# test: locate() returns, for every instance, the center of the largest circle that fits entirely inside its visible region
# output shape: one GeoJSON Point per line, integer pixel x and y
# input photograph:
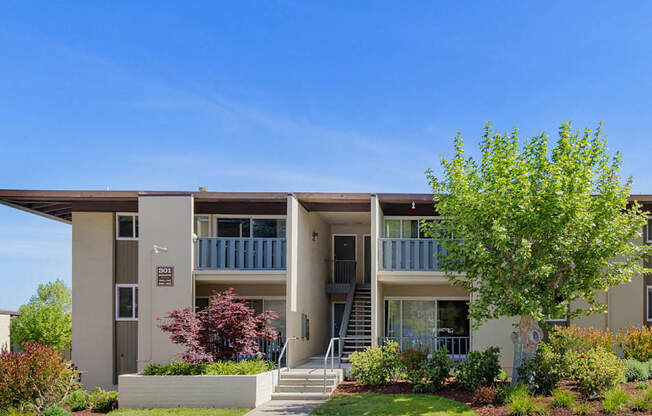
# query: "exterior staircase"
{"type": "Point", "coordinates": [307, 383]}
{"type": "Point", "coordinates": [358, 329]}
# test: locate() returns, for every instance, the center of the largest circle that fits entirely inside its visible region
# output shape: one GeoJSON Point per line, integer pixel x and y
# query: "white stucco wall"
{"type": "Point", "coordinates": [5, 343]}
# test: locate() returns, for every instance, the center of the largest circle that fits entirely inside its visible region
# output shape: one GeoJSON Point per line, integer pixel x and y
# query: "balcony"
{"type": "Point", "coordinates": [217, 253]}
{"type": "Point", "coordinates": [411, 254]}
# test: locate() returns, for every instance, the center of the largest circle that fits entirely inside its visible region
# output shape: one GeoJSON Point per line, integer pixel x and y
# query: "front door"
{"type": "Point", "coordinates": [337, 314]}
{"type": "Point", "coordinates": [344, 258]}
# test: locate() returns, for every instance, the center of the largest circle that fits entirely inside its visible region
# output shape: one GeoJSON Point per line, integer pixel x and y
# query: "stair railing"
{"type": "Point", "coordinates": [347, 314]}
{"type": "Point", "coordinates": [280, 357]}
{"type": "Point", "coordinates": [332, 353]}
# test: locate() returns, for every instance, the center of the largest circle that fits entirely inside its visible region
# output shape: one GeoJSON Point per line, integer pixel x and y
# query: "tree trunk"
{"type": "Point", "coordinates": [525, 339]}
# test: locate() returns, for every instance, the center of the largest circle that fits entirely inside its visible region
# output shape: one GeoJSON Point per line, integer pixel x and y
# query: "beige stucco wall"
{"type": "Point", "coordinates": [5, 321]}
{"type": "Point", "coordinates": [92, 293]}
{"type": "Point", "coordinates": [308, 273]}
{"type": "Point", "coordinates": [164, 221]}
{"type": "Point", "coordinates": [496, 332]}
{"type": "Point", "coordinates": [439, 291]}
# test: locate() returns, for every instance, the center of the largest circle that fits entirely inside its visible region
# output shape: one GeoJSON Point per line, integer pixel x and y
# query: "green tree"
{"type": "Point", "coordinates": [46, 318]}
{"type": "Point", "coordinates": [536, 228]}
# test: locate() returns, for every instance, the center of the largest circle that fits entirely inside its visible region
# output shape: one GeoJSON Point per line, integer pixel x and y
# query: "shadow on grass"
{"type": "Point", "coordinates": [392, 404]}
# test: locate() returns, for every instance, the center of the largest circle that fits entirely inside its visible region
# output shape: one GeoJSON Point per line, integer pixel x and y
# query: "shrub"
{"type": "Point", "coordinates": [648, 364]}
{"type": "Point", "coordinates": [182, 368]}
{"type": "Point", "coordinates": [103, 401]}
{"type": "Point", "coordinates": [562, 398]}
{"type": "Point", "coordinates": [375, 365]}
{"type": "Point", "coordinates": [479, 369]}
{"type": "Point", "coordinates": [636, 343]}
{"type": "Point", "coordinates": [484, 396]}
{"type": "Point", "coordinates": [545, 370]}
{"type": "Point", "coordinates": [438, 369]}
{"type": "Point", "coordinates": [504, 391]}
{"type": "Point", "coordinates": [77, 400]}
{"type": "Point", "coordinates": [615, 400]}
{"type": "Point", "coordinates": [636, 370]}
{"type": "Point", "coordinates": [521, 403]}
{"type": "Point", "coordinates": [640, 403]}
{"type": "Point", "coordinates": [574, 339]}
{"type": "Point", "coordinates": [14, 412]}
{"type": "Point", "coordinates": [55, 411]}
{"type": "Point", "coordinates": [413, 364]}
{"type": "Point", "coordinates": [582, 409]}
{"type": "Point", "coordinates": [596, 371]}
{"type": "Point", "coordinates": [39, 376]}
{"type": "Point", "coordinates": [502, 375]}
{"type": "Point", "coordinates": [641, 386]}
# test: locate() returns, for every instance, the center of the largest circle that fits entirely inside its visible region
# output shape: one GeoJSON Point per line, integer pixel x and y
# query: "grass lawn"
{"type": "Point", "coordinates": [392, 404]}
{"type": "Point", "coordinates": [179, 412]}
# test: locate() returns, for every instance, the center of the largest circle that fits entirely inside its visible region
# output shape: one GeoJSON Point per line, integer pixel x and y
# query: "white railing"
{"type": "Point", "coordinates": [330, 351]}
{"type": "Point", "coordinates": [280, 358]}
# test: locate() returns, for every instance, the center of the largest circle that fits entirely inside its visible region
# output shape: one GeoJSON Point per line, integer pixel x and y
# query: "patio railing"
{"type": "Point", "coordinates": [411, 254]}
{"type": "Point", "coordinates": [457, 346]}
{"type": "Point", "coordinates": [241, 253]}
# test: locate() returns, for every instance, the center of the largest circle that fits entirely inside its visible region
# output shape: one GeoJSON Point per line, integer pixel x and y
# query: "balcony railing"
{"type": "Point", "coordinates": [241, 253]}
{"type": "Point", "coordinates": [411, 254]}
{"type": "Point", "coordinates": [457, 346]}
{"type": "Point", "coordinates": [344, 271]}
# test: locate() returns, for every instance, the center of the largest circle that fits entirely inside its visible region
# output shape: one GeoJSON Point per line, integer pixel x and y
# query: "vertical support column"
{"type": "Point", "coordinates": [293, 320]}
{"type": "Point", "coordinates": [165, 239]}
{"type": "Point", "coordinates": [376, 297]}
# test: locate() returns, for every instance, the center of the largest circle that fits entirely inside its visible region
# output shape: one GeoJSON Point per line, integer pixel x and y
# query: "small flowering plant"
{"type": "Point", "coordinates": [38, 376]}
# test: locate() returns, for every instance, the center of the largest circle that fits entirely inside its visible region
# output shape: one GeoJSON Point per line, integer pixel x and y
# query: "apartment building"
{"type": "Point", "coordinates": [353, 265]}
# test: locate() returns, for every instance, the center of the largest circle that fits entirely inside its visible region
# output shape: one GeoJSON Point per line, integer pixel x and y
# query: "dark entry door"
{"type": "Point", "coordinates": [344, 258]}
{"type": "Point", "coordinates": [367, 259]}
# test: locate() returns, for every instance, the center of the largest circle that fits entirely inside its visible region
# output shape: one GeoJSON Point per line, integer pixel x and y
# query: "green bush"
{"type": "Point", "coordinates": [636, 370]}
{"type": "Point", "coordinates": [479, 369]}
{"type": "Point", "coordinates": [15, 412]}
{"type": "Point", "coordinates": [582, 409]}
{"type": "Point", "coordinates": [521, 403]}
{"type": "Point", "coordinates": [182, 368]}
{"type": "Point", "coordinates": [375, 366]}
{"type": "Point", "coordinates": [641, 386]}
{"type": "Point", "coordinates": [438, 369]}
{"type": "Point", "coordinates": [55, 411]}
{"type": "Point", "coordinates": [103, 401]}
{"type": "Point", "coordinates": [413, 364]}
{"type": "Point", "coordinates": [615, 400]}
{"type": "Point", "coordinates": [484, 396]}
{"type": "Point", "coordinates": [545, 370]}
{"type": "Point", "coordinates": [641, 403]}
{"type": "Point", "coordinates": [78, 400]}
{"type": "Point", "coordinates": [596, 371]}
{"type": "Point", "coordinates": [505, 390]}
{"type": "Point", "coordinates": [648, 364]}
{"type": "Point", "coordinates": [562, 398]}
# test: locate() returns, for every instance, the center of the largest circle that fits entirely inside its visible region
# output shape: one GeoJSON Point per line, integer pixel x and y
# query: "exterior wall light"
{"type": "Point", "coordinates": [315, 235]}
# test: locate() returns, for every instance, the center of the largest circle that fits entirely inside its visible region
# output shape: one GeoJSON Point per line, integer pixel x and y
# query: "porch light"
{"type": "Point", "coordinates": [315, 235]}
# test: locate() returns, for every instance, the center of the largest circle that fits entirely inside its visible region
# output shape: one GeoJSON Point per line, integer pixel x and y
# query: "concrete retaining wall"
{"type": "Point", "coordinates": [144, 392]}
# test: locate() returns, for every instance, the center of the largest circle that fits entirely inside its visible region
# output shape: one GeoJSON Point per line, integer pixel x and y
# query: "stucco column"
{"type": "Point", "coordinates": [165, 239]}
{"type": "Point", "coordinates": [376, 300]}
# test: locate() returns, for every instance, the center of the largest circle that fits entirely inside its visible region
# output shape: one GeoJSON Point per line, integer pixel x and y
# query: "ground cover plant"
{"type": "Point", "coordinates": [183, 368]}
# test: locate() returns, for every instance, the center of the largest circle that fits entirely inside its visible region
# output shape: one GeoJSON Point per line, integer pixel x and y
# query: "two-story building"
{"type": "Point", "coordinates": [330, 264]}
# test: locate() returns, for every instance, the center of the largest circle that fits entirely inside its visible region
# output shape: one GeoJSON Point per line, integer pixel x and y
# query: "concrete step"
{"type": "Point", "coordinates": [300, 396]}
{"type": "Point", "coordinates": [310, 382]}
{"type": "Point", "coordinates": [306, 389]}
{"type": "Point", "coordinates": [305, 376]}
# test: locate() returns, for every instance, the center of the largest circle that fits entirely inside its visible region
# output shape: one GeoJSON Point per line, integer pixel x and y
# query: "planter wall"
{"type": "Point", "coordinates": [143, 392]}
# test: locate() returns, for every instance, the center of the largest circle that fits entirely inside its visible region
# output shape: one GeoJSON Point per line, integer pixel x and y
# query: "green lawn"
{"type": "Point", "coordinates": [179, 412]}
{"type": "Point", "coordinates": [392, 404]}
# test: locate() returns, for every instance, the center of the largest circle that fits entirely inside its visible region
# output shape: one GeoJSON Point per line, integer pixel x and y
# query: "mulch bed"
{"type": "Point", "coordinates": [451, 391]}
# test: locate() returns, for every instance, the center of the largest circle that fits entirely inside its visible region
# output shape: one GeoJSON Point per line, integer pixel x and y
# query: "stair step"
{"type": "Point", "coordinates": [300, 396]}
{"type": "Point", "coordinates": [306, 389]}
{"type": "Point", "coordinates": [307, 377]}
{"type": "Point", "coordinates": [307, 383]}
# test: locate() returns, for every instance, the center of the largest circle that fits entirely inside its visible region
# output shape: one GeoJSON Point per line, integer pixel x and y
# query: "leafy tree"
{"type": "Point", "coordinates": [227, 327]}
{"type": "Point", "coordinates": [536, 228]}
{"type": "Point", "coordinates": [46, 319]}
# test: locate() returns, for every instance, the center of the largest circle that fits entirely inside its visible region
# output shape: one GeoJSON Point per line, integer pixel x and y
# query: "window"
{"type": "Point", "coordinates": [409, 228]}
{"type": "Point", "coordinates": [649, 230]}
{"type": "Point", "coordinates": [409, 319]}
{"type": "Point", "coordinates": [126, 302]}
{"type": "Point", "coordinates": [233, 227]}
{"type": "Point", "coordinates": [126, 226]}
{"type": "Point", "coordinates": [268, 228]}
{"type": "Point", "coordinates": [202, 226]}
{"type": "Point", "coordinates": [649, 302]}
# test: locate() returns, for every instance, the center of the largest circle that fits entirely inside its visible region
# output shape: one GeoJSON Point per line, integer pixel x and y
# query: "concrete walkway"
{"type": "Point", "coordinates": [286, 408]}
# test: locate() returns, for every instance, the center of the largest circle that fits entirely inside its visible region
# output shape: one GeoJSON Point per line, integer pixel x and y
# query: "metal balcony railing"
{"type": "Point", "coordinates": [410, 254]}
{"type": "Point", "coordinates": [241, 253]}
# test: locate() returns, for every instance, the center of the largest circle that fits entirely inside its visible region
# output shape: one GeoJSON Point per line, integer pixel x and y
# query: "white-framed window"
{"type": "Point", "coordinates": [262, 226]}
{"type": "Point", "coordinates": [406, 227]}
{"type": "Point", "coordinates": [202, 225]}
{"type": "Point", "coordinates": [126, 302]}
{"type": "Point", "coordinates": [649, 230]}
{"type": "Point", "coordinates": [649, 303]}
{"type": "Point", "coordinates": [126, 226]}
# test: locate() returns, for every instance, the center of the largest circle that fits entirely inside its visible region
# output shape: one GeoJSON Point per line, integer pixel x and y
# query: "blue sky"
{"type": "Point", "coordinates": [293, 96]}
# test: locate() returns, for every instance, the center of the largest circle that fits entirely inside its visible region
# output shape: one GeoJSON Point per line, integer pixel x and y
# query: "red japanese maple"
{"type": "Point", "coordinates": [227, 328]}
